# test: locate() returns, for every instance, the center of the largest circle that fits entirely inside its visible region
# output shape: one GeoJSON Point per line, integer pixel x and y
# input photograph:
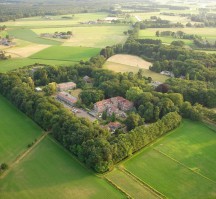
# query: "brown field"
{"type": "Point", "coordinates": [130, 60]}
{"type": "Point", "coordinates": [122, 68]}
{"type": "Point", "coordinates": [25, 51]}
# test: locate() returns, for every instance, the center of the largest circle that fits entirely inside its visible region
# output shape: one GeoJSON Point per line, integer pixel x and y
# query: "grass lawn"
{"type": "Point", "coordinates": [16, 132]}
{"type": "Point", "coordinates": [50, 172]}
{"type": "Point", "coordinates": [11, 64]}
{"type": "Point", "coordinates": [30, 36]}
{"type": "Point", "coordinates": [91, 36]}
{"type": "Point", "coordinates": [116, 67]}
{"type": "Point", "coordinates": [129, 185]}
{"type": "Point", "coordinates": [208, 33]}
{"type": "Point", "coordinates": [66, 53]}
{"type": "Point", "coordinates": [76, 92]}
{"type": "Point", "coordinates": [181, 164]}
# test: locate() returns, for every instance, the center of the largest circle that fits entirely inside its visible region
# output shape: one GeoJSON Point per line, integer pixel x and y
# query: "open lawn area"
{"type": "Point", "coordinates": [16, 132]}
{"type": "Point", "coordinates": [130, 63]}
{"type": "Point", "coordinates": [181, 164]}
{"type": "Point", "coordinates": [206, 33]}
{"type": "Point", "coordinates": [90, 36]}
{"type": "Point", "coordinates": [50, 172]}
{"type": "Point", "coordinates": [7, 65]}
{"type": "Point", "coordinates": [66, 53]}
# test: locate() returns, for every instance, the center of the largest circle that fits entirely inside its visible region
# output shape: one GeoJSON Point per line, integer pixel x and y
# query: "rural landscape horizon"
{"type": "Point", "coordinates": [107, 99]}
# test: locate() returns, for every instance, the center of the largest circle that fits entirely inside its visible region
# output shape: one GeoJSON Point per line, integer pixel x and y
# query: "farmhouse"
{"type": "Point", "coordinates": [67, 98]}
{"type": "Point", "coordinates": [58, 35]}
{"type": "Point", "coordinates": [115, 105]}
{"type": "Point", "coordinates": [167, 73]}
{"type": "Point", "coordinates": [6, 42]}
{"type": "Point", "coordinates": [87, 79]}
{"type": "Point", "coordinates": [112, 126]}
{"type": "Point", "coordinates": [66, 86]}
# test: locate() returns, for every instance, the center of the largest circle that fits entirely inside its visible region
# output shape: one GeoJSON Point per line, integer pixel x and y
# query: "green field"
{"type": "Point", "coordinates": [122, 68]}
{"type": "Point", "coordinates": [129, 185]}
{"type": "Point", "coordinates": [7, 65]}
{"type": "Point", "coordinates": [16, 132]}
{"type": "Point", "coordinates": [181, 164]}
{"type": "Point", "coordinates": [56, 20]}
{"type": "Point", "coordinates": [30, 36]}
{"type": "Point", "coordinates": [66, 53]}
{"type": "Point", "coordinates": [50, 172]}
{"type": "Point", "coordinates": [91, 36]}
{"type": "Point", "coordinates": [206, 33]}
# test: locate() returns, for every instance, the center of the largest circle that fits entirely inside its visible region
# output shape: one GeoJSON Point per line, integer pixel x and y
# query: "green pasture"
{"type": "Point", "coordinates": [90, 36]}
{"type": "Point", "coordinates": [30, 36]}
{"type": "Point", "coordinates": [55, 20]}
{"type": "Point", "coordinates": [50, 172]}
{"type": "Point", "coordinates": [16, 132]}
{"type": "Point", "coordinates": [181, 164]}
{"type": "Point", "coordinates": [129, 185]}
{"type": "Point", "coordinates": [206, 33]}
{"type": "Point", "coordinates": [11, 64]}
{"type": "Point", "coordinates": [66, 53]}
{"type": "Point", "coordinates": [122, 68]}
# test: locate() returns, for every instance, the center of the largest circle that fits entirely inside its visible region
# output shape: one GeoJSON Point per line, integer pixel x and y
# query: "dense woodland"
{"type": "Point", "coordinates": [96, 147]}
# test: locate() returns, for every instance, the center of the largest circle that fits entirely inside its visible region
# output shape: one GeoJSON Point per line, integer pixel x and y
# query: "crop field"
{"type": "Point", "coordinates": [30, 36]}
{"type": "Point", "coordinates": [26, 51]}
{"type": "Point", "coordinates": [130, 185]}
{"type": "Point", "coordinates": [206, 33]}
{"type": "Point", "coordinates": [50, 172]}
{"type": "Point", "coordinates": [66, 53]}
{"type": "Point", "coordinates": [181, 164]}
{"type": "Point", "coordinates": [129, 63]}
{"type": "Point", "coordinates": [11, 64]}
{"type": "Point", "coordinates": [91, 36]}
{"type": "Point", "coordinates": [56, 20]}
{"type": "Point", "coordinates": [16, 132]}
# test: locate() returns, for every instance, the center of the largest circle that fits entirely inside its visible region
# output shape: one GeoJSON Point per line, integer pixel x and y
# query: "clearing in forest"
{"type": "Point", "coordinates": [130, 63]}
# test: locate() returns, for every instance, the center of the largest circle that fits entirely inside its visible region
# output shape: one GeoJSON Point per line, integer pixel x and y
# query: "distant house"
{"type": "Point", "coordinates": [167, 73]}
{"type": "Point", "coordinates": [116, 105]}
{"type": "Point", "coordinates": [87, 79]}
{"type": "Point", "coordinates": [38, 89]}
{"type": "Point", "coordinates": [155, 83]}
{"type": "Point", "coordinates": [67, 98]}
{"type": "Point", "coordinates": [66, 86]}
{"type": "Point", "coordinates": [113, 126]}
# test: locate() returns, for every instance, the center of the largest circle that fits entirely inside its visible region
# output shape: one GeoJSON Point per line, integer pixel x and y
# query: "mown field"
{"type": "Point", "coordinates": [181, 164]}
{"type": "Point", "coordinates": [66, 53]}
{"type": "Point", "coordinates": [50, 172]}
{"type": "Point", "coordinates": [16, 132]}
{"type": "Point", "coordinates": [91, 35]}
{"type": "Point", "coordinates": [206, 33]}
{"type": "Point", "coordinates": [128, 184]}
{"type": "Point", "coordinates": [129, 63]}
